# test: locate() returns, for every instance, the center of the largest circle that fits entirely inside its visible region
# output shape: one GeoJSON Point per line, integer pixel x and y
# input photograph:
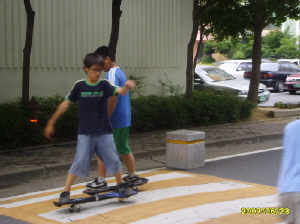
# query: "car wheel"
{"type": "Point", "coordinates": [292, 91]}
{"type": "Point", "coordinates": [279, 86]}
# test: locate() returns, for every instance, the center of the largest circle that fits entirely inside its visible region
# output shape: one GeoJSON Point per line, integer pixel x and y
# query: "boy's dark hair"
{"type": "Point", "coordinates": [106, 52]}
{"type": "Point", "coordinates": [93, 59]}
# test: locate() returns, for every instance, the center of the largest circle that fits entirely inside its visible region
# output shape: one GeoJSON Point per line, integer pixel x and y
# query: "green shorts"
{"type": "Point", "coordinates": [121, 136]}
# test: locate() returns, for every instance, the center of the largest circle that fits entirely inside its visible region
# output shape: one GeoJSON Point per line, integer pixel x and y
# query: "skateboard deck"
{"type": "Point", "coordinates": [98, 195]}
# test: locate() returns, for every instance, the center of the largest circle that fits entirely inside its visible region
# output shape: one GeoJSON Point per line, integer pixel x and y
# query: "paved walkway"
{"type": "Point", "coordinates": [36, 163]}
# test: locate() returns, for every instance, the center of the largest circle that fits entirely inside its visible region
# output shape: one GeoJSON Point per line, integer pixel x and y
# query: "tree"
{"type": "Point", "coordinates": [115, 24]}
{"type": "Point", "coordinates": [207, 13]}
{"type": "Point", "coordinates": [199, 8]}
{"type": "Point", "coordinates": [250, 18]}
{"type": "Point", "coordinates": [27, 51]}
{"type": "Point", "coordinates": [263, 13]}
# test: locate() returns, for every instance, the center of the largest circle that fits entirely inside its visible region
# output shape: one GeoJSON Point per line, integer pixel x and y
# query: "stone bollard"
{"type": "Point", "coordinates": [185, 149]}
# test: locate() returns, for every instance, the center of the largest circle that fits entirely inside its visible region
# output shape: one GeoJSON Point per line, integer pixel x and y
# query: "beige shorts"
{"type": "Point", "coordinates": [291, 200]}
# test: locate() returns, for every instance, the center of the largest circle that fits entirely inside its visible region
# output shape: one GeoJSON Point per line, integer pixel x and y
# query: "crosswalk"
{"type": "Point", "coordinates": [169, 197]}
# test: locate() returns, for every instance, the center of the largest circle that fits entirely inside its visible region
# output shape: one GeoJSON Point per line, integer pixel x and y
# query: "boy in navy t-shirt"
{"type": "Point", "coordinates": [95, 131]}
{"type": "Point", "coordinates": [119, 110]}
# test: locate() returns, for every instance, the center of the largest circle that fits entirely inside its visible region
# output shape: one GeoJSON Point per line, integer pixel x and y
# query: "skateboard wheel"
{"type": "Point", "coordinates": [74, 208]}
{"type": "Point", "coordinates": [122, 199]}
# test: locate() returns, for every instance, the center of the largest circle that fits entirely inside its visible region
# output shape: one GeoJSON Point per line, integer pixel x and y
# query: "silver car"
{"type": "Point", "coordinates": [215, 79]}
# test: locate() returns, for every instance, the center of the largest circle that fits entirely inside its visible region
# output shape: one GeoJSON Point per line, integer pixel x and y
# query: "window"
{"type": "Point", "coordinates": [285, 67]}
{"type": "Point", "coordinates": [242, 66]}
{"type": "Point", "coordinates": [294, 68]}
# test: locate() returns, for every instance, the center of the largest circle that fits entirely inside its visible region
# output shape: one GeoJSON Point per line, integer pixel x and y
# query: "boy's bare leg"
{"type": "Point", "coordinates": [102, 171]}
{"type": "Point", "coordinates": [69, 182]}
{"type": "Point", "coordinates": [129, 162]}
{"type": "Point", "coordinates": [101, 168]}
{"type": "Point", "coordinates": [118, 177]}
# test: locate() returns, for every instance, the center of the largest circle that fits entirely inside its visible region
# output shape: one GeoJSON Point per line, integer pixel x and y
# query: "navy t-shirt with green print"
{"type": "Point", "coordinates": [92, 104]}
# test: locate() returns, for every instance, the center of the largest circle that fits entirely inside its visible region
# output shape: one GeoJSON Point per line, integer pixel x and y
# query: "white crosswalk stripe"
{"type": "Point", "coordinates": [169, 197]}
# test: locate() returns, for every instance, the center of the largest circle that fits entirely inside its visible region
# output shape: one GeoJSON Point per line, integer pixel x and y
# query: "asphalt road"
{"type": "Point", "coordinates": [261, 168]}
{"type": "Point", "coordinates": [284, 96]}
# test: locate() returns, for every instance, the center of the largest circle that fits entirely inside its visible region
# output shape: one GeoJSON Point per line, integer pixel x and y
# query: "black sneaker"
{"type": "Point", "coordinates": [131, 179]}
{"type": "Point", "coordinates": [96, 185]}
{"type": "Point", "coordinates": [64, 197]}
{"type": "Point", "coordinates": [124, 189]}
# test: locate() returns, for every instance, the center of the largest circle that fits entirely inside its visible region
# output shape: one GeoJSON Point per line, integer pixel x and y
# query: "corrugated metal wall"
{"type": "Point", "coordinates": [65, 30]}
{"type": "Point", "coordinates": [152, 42]}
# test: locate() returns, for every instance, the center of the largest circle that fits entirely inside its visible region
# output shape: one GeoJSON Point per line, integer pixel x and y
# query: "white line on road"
{"type": "Point", "coordinates": [142, 197]}
{"type": "Point", "coordinates": [155, 178]}
{"type": "Point", "coordinates": [61, 188]}
{"type": "Point", "coordinates": [211, 211]}
{"type": "Point", "coordinates": [242, 154]}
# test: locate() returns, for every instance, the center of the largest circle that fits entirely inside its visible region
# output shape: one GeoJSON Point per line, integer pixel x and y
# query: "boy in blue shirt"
{"type": "Point", "coordinates": [289, 176]}
{"type": "Point", "coordinates": [95, 131]}
{"type": "Point", "coordinates": [119, 110]}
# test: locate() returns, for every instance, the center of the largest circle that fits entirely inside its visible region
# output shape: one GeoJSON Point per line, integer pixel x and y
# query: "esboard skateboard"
{"type": "Point", "coordinates": [98, 195]}
{"type": "Point", "coordinates": [131, 185]}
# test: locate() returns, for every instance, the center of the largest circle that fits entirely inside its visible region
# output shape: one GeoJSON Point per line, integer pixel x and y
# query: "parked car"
{"type": "Point", "coordinates": [274, 74]}
{"type": "Point", "coordinates": [295, 61]}
{"type": "Point", "coordinates": [292, 83]}
{"type": "Point", "coordinates": [215, 79]}
{"type": "Point", "coordinates": [236, 68]}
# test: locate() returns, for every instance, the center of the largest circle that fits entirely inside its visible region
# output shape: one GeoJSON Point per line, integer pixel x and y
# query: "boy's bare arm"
{"type": "Point", "coordinates": [129, 84]}
{"type": "Point", "coordinates": [61, 109]}
{"type": "Point", "coordinates": [112, 102]}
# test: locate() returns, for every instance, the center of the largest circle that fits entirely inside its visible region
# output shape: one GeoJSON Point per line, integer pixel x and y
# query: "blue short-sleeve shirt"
{"type": "Point", "coordinates": [121, 116]}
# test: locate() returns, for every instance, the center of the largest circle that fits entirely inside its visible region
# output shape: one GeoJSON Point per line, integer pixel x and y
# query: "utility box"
{"type": "Point", "coordinates": [185, 149]}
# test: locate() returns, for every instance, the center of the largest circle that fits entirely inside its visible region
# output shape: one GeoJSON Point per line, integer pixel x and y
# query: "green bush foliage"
{"type": "Point", "coordinates": [67, 126]}
{"type": "Point", "coordinates": [149, 113]}
{"type": "Point", "coordinates": [16, 129]}
{"type": "Point", "coordinates": [18, 132]}
{"type": "Point", "coordinates": [208, 60]}
{"type": "Point", "coordinates": [152, 112]}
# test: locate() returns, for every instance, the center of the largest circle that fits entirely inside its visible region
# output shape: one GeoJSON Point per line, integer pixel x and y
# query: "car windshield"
{"type": "Point", "coordinates": [213, 74]}
{"type": "Point", "coordinates": [269, 67]}
{"type": "Point", "coordinates": [227, 66]}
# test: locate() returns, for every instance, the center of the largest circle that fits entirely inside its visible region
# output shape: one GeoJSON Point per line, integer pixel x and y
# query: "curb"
{"type": "Point", "coordinates": [41, 172]}
{"type": "Point", "coordinates": [284, 113]}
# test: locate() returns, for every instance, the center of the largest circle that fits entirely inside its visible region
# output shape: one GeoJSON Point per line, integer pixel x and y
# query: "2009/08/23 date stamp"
{"type": "Point", "coordinates": [274, 210]}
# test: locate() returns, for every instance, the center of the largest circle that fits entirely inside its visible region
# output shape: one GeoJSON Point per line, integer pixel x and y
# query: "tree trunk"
{"type": "Point", "coordinates": [201, 31]}
{"type": "Point", "coordinates": [27, 51]}
{"type": "Point", "coordinates": [256, 55]}
{"type": "Point", "coordinates": [190, 68]}
{"type": "Point", "coordinates": [115, 24]}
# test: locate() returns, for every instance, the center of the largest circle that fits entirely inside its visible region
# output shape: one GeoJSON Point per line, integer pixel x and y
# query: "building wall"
{"type": "Point", "coordinates": [293, 26]}
{"type": "Point", "coordinates": [153, 41]}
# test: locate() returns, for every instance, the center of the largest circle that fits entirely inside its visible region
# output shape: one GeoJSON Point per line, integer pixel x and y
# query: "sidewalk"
{"type": "Point", "coordinates": [43, 162]}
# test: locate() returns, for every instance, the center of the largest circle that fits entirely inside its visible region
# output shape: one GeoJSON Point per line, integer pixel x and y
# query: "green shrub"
{"type": "Point", "coordinates": [16, 129]}
{"type": "Point", "coordinates": [149, 113]}
{"type": "Point", "coordinates": [210, 108]}
{"type": "Point", "coordinates": [18, 132]}
{"type": "Point", "coordinates": [207, 60]}
{"type": "Point", "coordinates": [66, 127]}
{"type": "Point", "coordinates": [157, 113]}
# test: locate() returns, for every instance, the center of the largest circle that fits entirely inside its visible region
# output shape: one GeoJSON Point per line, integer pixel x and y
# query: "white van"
{"type": "Point", "coordinates": [236, 68]}
{"type": "Point", "coordinates": [295, 61]}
